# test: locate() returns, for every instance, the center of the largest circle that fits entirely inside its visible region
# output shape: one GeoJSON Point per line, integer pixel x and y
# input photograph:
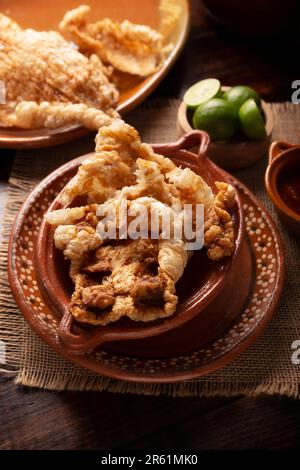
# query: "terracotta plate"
{"type": "Point", "coordinates": [38, 15]}
{"type": "Point", "coordinates": [141, 360]}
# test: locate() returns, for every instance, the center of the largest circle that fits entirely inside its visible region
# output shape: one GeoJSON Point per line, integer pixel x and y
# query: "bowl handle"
{"type": "Point", "coordinates": [277, 148]}
{"type": "Point", "coordinates": [186, 142]}
{"type": "Point", "coordinates": [85, 341]}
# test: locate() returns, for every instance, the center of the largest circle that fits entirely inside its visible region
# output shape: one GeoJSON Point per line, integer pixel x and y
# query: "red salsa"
{"type": "Point", "coordinates": [289, 188]}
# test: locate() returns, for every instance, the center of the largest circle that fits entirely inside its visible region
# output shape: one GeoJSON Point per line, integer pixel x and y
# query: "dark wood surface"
{"type": "Point", "coordinates": [31, 419]}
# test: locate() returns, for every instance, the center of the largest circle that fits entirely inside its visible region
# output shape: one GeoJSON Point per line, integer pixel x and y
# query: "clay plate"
{"type": "Point", "coordinates": [38, 15]}
{"type": "Point", "coordinates": [175, 355]}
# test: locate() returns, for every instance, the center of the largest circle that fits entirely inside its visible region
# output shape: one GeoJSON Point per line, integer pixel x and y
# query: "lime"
{"type": "Point", "coordinates": [217, 118]}
{"type": "Point", "coordinates": [237, 95]}
{"type": "Point", "coordinates": [251, 120]}
{"type": "Point", "coordinates": [201, 92]}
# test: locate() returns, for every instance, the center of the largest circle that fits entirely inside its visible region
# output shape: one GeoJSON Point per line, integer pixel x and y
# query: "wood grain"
{"type": "Point", "coordinates": [31, 419]}
{"type": "Point", "coordinates": [88, 420]}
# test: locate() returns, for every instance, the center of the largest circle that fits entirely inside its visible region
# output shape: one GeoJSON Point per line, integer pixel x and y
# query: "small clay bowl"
{"type": "Point", "coordinates": [284, 158]}
{"type": "Point", "coordinates": [235, 154]}
{"type": "Point", "coordinates": [204, 283]}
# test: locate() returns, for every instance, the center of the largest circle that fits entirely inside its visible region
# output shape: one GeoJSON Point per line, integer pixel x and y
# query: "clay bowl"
{"type": "Point", "coordinates": [235, 154]}
{"type": "Point", "coordinates": [202, 287]}
{"type": "Point", "coordinates": [284, 158]}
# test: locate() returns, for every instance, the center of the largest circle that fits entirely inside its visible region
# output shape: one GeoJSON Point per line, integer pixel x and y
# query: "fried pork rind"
{"type": "Point", "coordinates": [118, 147]}
{"type": "Point", "coordinates": [32, 115]}
{"type": "Point", "coordinates": [50, 84]}
{"type": "Point", "coordinates": [192, 188]}
{"type": "Point", "coordinates": [129, 287]}
{"type": "Point", "coordinates": [70, 215]}
{"type": "Point", "coordinates": [218, 226]}
{"type": "Point", "coordinates": [76, 242]}
{"type": "Point", "coordinates": [135, 278]}
{"type": "Point", "coordinates": [43, 73]}
{"type": "Point", "coordinates": [131, 48]}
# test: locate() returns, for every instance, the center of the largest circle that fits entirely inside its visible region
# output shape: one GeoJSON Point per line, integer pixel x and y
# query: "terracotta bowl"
{"type": "Point", "coordinates": [234, 154]}
{"type": "Point", "coordinates": [202, 289]}
{"type": "Point", "coordinates": [283, 157]}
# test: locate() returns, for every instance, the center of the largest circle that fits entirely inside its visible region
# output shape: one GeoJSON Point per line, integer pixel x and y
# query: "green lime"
{"type": "Point", "coordinates": [237, 95]}
{"type": "Point", "coordinates": [201, 92]}
{"type": "Point", "coordinates": [217, 118]}
{"type": "Point", "coordinates": [252, 121]}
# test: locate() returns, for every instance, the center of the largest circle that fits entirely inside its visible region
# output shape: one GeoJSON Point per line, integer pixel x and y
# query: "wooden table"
{"type": "Point", "coordinates": [31, 419]}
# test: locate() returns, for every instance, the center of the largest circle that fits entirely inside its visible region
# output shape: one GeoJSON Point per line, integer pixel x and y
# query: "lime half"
{"type": "Point", "coordinates": [201, 92]}
{"type": "Point", "coordinates": [217, 118]}
{"type": "Point", "coordinates": [252, 121]}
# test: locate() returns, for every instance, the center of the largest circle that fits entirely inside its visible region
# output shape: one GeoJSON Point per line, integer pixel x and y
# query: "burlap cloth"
{"type": "Point", "coordinates": [266, 367]}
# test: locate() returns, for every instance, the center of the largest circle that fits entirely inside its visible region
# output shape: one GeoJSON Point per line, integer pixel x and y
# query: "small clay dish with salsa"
{"type": "Point", "coordinates": [282, 181]}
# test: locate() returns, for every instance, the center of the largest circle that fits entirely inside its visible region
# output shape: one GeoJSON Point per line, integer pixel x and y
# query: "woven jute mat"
{"type": "Point", "coordinates": [266, 367]}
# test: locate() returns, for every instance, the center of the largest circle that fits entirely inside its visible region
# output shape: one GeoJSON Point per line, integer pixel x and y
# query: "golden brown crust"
{"type": "Point", "coordinates": [128, 47]}
{"type": "Point", "coordinates": [43, 73]}
{"type": "Point", "coordinates": [126, 284]}
{"type": "Point", "coordinates": [118, 147]}
{"type": "Point", "coordinates": [218, 227]}
{"type": "Point", "coordinates": [50, 84]}
{"type": "Point", "coordinates": [134, 278]}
